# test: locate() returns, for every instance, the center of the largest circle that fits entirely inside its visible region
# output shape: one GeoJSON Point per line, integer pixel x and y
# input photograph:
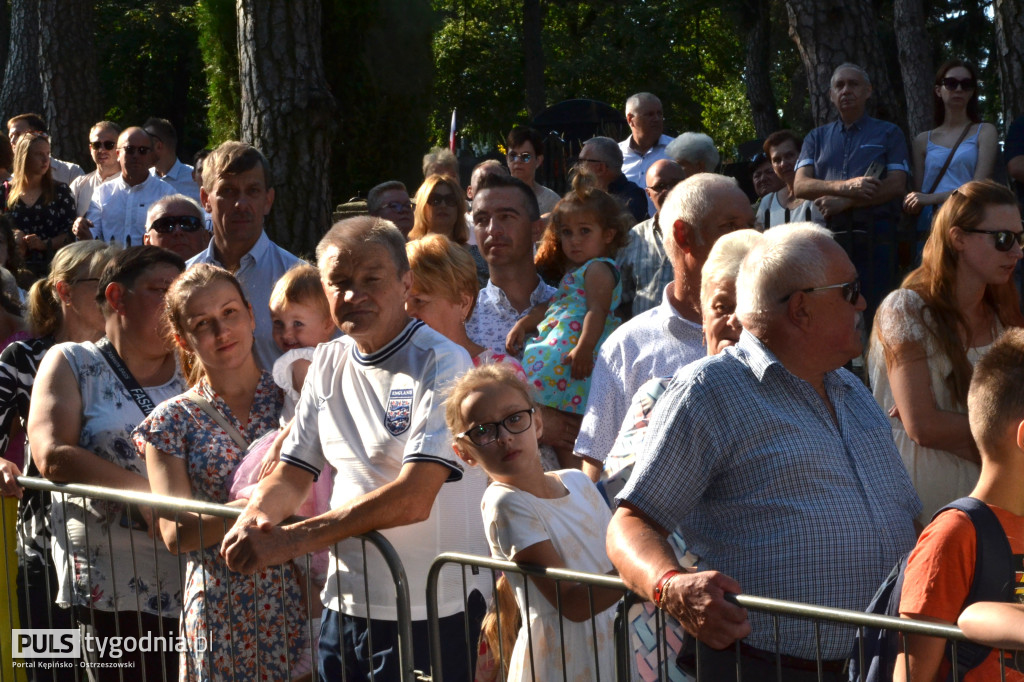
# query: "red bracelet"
{"type": "Point", "coordinates": [659, 589]}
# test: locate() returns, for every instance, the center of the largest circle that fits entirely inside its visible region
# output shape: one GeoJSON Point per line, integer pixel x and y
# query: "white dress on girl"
{"type": "Point", "coordinates": [576, 525]}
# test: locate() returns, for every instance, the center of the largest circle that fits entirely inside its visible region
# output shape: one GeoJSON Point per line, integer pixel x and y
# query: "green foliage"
{"type": "Point", "coordinates": [149, 65]}
{"type": "Point", "coordinates": [217, 30]}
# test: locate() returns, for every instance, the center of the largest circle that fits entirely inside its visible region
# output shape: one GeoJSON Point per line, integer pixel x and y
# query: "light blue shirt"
{"type": "Point", "coordinates": [635, 165]}
{"type": "Point", "coordinates": [180, 178]}
{"type": "Point", "coordinates": [765, 487]}
{"type": "Point", "coordinates": [258, 272]}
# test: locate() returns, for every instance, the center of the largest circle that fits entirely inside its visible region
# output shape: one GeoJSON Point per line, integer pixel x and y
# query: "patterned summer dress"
{"type": "Point", "coordinates": [252, 630]}
{"type": "Point", "coordinates": [557, 335]}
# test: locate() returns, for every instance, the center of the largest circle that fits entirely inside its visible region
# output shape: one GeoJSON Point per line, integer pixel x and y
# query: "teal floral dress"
{"type": "Point", "coordinates": [238, 627]}
{"type": "Point", "coordinates": [543, 356]}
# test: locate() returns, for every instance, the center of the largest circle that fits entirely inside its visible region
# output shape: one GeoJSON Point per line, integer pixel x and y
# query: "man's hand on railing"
{"type": "Point", "coordinates": [9, 473]}
{"type": "Point", "coordinates": [697, 601]}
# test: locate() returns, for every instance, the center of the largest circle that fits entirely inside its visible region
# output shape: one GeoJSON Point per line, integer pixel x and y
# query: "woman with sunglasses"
{"type": "Point", "coordinates": [929, 333]}
{"type": "Point", "coordinates": [441, 209]}
{"type": "Point", "coordinates": [961, 148]}
{"type": "Point", "coordinates": [176, 223]}
{"type": "Point", "coordinates": [41, 208]}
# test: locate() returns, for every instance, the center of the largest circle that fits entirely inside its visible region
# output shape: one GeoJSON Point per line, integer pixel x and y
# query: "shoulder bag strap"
{"type": "Point", "coordinates": [216, 415]}
{"type": "Point", "coordinates": [949, 159]}
{"type": "Point", "coordinates": [137, 392]}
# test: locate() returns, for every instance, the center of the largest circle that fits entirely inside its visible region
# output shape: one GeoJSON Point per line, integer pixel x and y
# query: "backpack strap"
{"type": "Point", "coordinates": [993, 573]}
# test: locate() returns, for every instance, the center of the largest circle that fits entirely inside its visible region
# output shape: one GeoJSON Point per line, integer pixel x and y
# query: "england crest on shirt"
{"type": "Point", "coordinates": [399, 411]}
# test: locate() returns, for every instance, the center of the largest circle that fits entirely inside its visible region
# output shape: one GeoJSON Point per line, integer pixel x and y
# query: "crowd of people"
{"type": "Point", "coordinates": [648, 376]}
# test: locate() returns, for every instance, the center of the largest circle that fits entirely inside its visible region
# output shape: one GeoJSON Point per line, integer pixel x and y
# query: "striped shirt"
{"type": "Point", "coordinates": [768, 489]}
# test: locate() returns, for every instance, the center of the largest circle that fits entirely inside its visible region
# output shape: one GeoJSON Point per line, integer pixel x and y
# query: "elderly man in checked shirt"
{"type": "Point", "coordinates": [778, 468]}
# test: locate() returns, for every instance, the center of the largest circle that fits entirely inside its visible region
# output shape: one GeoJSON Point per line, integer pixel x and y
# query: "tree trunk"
{"type": "Point", "coordinates": [22, 92]}
{"type": "Point", "coordinates": [916, 67]}
{"type": "Point", "coordinates": [288, 113]}
{"type": "Point", "coordinates": [830, 32]}
{"type": "Point", "coordinates": [70, 81]}
{"type": "Point", "coordinates": [533, 58]}
{"type": "Point", "coordinates": [757, 72]}
{"type": "Point", "coordinates": [1009, 16]}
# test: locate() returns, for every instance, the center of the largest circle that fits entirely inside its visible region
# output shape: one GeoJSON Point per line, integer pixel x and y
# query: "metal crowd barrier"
{"type": "Point", "coordinates": [170, 508]}
{"type": "Point", "coordinates": [663, 666]}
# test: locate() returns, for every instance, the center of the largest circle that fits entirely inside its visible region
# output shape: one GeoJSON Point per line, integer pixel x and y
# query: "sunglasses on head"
{"type": "Point", "coordinates": [965, 84]}
{"type": "Point", "coordinates": [849, 290]}
{"type": "Point", "coordinates": [102, 144]}
{"type": "Point", "coordinates": [186, 223]}
{"type": "Point", "coordinates": [1004, 239]}
{"type": "Point", "coordinates": [132, 150]}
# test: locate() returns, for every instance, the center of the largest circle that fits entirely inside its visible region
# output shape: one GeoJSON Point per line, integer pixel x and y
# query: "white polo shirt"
{"type": "Point", "coordinates": [367, 416]}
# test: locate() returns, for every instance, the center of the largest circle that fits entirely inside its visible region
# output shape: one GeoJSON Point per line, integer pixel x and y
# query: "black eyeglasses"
{"type": "Point", "coordinates": [525, 157]}
{"type": "Point", "coordinates": [102, 144]}
{"type": "Point", "coordinates": [167, 224]}
{"type": "Point", "coordinates": [446, 199]}
{"type": "Point", "coordinates": [849, 290]}
{"type": "Point", "coordinates": [965, 84]}
{"type": "Point", "coordinates": [1005, 239]}
{"type": "Point", "coordinates": [132, 150]}
{"type": "Point", "coordinates": [398, 206]}
{"type": "Point", "coordinates": [83, 279]}
{"type": "Point", "coordinates": [485, 434]}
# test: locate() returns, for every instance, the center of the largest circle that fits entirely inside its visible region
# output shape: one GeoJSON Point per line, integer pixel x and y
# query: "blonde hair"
{"type": "Point", "coordinates": [471, 381]}
{"type": "Point", "coordinates": [995, 399]}
{"type": "Point", "coordinates": [78, 260]}
{"type": "Point", "coordinates": [460, 232]}
{"type": "Point", "coordinates": [301, 284]}
{"type": "Point", "coordinates": [21, 150]}
{"type": "Point", "coordinates": [442, 268]}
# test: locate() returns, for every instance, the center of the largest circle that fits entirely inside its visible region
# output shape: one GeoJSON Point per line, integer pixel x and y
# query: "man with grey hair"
{"type": "Point", "coordinates": [777, 466]}
{"type": "Point", "coordinates": [440, 161]}
{"type": "Point", "coordinates": [695, 152]}
{"type": "Point", "coordinates": [372, 408]}
{"type": "Point", "coordinates": [855, 170]}
{"type": "Point", "coordinates": [656, 343]}
{"type": "Point", "coordinates": [647, 141]}
{"type": "Point", "coordinates": [176, 223]}
{"type": "Point", "coordinates": [390, 201]}
{"type": "Point", "coordinates": [601, 158]}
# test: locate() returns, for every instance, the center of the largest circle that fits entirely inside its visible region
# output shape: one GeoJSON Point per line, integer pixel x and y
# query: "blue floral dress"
{"type": "Point", "coordinates": [252, 630]}
{"type": "Point", "coordinates": [557, 335]}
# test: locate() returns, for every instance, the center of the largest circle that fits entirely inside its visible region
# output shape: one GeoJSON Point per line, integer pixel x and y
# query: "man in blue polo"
{"type": "Point", "coordinates": [855, 170]}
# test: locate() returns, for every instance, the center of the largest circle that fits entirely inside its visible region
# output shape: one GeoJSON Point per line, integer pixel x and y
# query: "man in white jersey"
{"type": "Point", "coordinates": [372, 408]}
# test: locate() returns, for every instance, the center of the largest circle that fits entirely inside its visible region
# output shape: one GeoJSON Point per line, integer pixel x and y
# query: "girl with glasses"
{"type": "Point", "coordinates": [929, 333]}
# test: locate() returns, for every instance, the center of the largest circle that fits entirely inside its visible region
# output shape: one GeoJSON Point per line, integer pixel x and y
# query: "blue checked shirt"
{"type": "Point", "coordinates": [768, 489]}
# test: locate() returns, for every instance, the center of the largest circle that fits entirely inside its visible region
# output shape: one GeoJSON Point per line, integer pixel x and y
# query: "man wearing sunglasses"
{"type": "Point", "coordinates": [118, 209]}
{"type": "Point", "coordinates": [176, 223]}
{"type": "Point", "coordinates": [779, 469]}
{"type": "Point", "coordinates": [165, 158]}
{"type": "Point", "coordinates": [102, 145]}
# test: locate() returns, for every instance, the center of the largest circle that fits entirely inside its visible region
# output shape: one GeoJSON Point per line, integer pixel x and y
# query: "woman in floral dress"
{"type": "Point", "coordinates": [238, 627]}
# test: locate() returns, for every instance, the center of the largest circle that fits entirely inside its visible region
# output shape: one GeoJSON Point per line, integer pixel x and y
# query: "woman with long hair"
{"type": "Point", "coordinates": [930, 332]}
{"type": "Point", "coordinates": [441, 209]}
{"type": "Point", "coordinates": [41, 208]}
{"type": "Point", "coordinates": [959, 138]}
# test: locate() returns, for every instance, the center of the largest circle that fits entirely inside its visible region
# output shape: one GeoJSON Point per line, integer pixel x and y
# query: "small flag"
{"type": "Point", "coordinates": [451, 136]}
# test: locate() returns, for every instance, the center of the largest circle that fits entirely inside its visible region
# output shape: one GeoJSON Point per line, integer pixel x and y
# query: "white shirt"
{"type": "Point", "coordinates": [64, 171]}
{"type": "Point", "coordinates": [635, 164]}
{"type": "Point", "coordinates": [180, 177]}
{"type": "Point", "coordinates": [367, 416]}
{"type": "Point", "coordinates": [653, 344]}
{"type": "Point", "coordinates": [118, 210]}
{"type": "Point", "coordinates": [258, 272]}
{"type": "Point", "coordinates": [83, 186]}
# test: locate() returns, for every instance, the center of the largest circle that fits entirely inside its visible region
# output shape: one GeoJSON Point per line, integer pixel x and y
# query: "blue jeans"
{"type": "Point", "coordinates": [345, 641]}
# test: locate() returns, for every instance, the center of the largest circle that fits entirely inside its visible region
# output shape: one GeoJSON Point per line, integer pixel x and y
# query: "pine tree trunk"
{"type": "Point", "coordinates": [288, 113]}
{"type": "Point", "coordinates": [22, 91]}
{"type": "Point", "coordinates": [1009, 19]}
{"type": "Point", "coordinates": [830, 32]}
{"type": "Point", "coordinates": [915, 57]}
{"type": "Point", "coordinates": [70, 81]}
{"type": "Point", "coordinates": [533, 58]}
{"type": "Point", "coordinates": [757, 74]}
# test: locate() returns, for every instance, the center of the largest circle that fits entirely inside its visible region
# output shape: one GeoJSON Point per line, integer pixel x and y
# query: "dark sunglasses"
{"type": "Point", "coordinates": [132, 150]}
{"type": "Point", "coordinates": [485, 434]}
{"type": "Point", "coordinates": [1005, 239]}
{"type": "Point", "coordinates": [849, 290]}
{"type": "Point", "coordinates": [965, 84]}
{"type": "Point", "coordinates": [167, 224]}
{"type": "Point", "coordinates": [525, 157]}
{"type": "Point", "coordinates": [102, 144]}
{"type": "Point", "coordinates": [446, 199]}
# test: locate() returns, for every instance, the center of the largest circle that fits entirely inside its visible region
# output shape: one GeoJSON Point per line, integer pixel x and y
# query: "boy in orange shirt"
{"type": "Point", "coordinates": [941, 568]}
